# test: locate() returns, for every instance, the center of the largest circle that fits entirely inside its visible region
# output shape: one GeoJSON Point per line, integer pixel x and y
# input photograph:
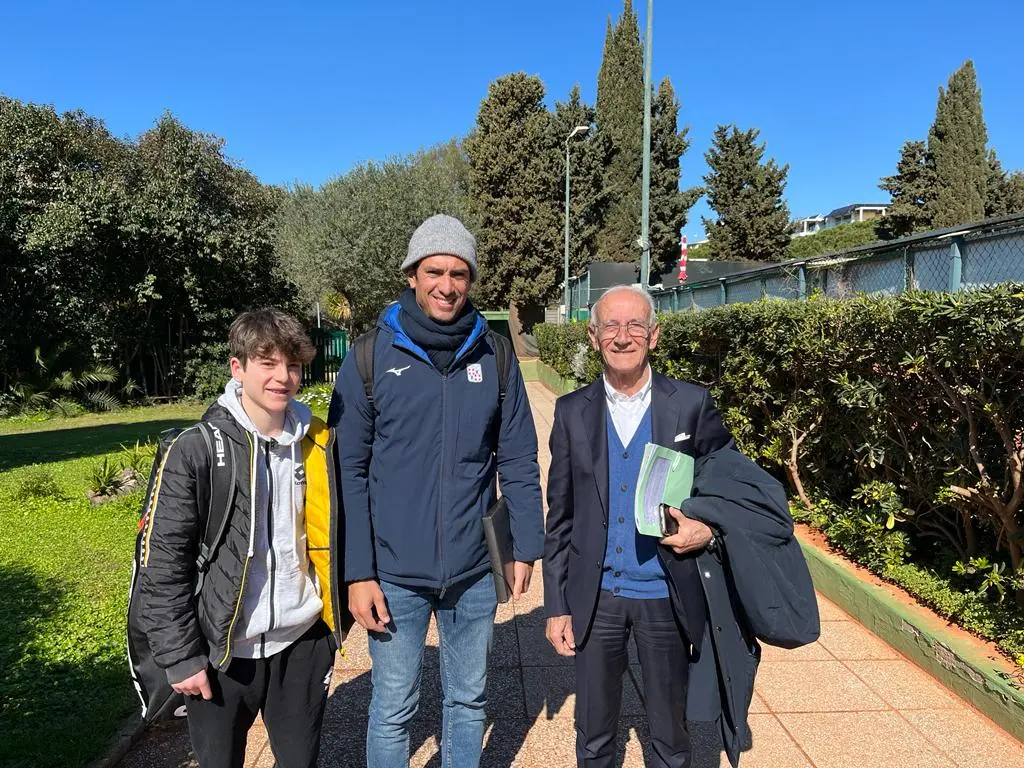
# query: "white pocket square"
{"type": "Point", "coordinates": [682, 436]}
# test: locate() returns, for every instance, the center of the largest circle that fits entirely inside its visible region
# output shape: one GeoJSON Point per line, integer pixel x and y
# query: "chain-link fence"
{"type": "Point", "coordinates": [971, 256]}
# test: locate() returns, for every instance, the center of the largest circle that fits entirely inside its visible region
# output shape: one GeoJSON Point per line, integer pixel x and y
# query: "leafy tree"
{"type": "Point", "coordinates": [746, 193]}
{"type": "Point", "coordinates": [63, 199]}
{"type": "Point", "coordinates": [138, 252]}
{"type": "Point", "coordinates": [514, 192]}
{"type": "Point", "coordinates": [956, 147]}
{"type": "Point", "coordinates": [909, 188]}
{"type": "Point", "coordinates": [343, 244]}
{"type": "Point", "coordinates": [205, 254]}
{"type": "Point", "coordinates": [620, 109]}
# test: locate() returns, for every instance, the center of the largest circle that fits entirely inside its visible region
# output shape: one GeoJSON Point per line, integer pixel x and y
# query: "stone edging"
{"type": "Point", "coordinates": [128, 733]}
{"type": "Point", "coordinates": [921, 636]}
{"type": "Point", "coordinates": [550, 378]}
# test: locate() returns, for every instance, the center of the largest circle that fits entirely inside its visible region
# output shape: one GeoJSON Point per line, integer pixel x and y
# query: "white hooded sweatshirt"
{"type": "Point", "coordinates": [281, 598]}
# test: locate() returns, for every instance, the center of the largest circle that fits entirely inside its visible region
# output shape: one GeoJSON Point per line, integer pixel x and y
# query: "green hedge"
{"type": "Point", "coordinates": [896, 422]}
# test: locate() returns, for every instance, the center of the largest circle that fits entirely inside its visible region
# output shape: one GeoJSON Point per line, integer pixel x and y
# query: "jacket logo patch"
{"type": "Point", "coordinates": [398, 371]}
{"type": "Point", "coordinates": [475, 373]}
{"type": "Point", "coordinates": [300, 475]}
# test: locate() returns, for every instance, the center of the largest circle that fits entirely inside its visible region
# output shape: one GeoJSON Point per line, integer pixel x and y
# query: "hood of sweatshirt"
{"type": "Point", "coordinates": [296, 420]}
{"type": "Point", "coordinates": [281, 599]}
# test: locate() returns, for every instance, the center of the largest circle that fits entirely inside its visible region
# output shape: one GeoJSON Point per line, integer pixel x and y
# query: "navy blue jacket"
{"type": "Point", "coordinates": [417, 480]}
{"type": "Point", "coordinates": [684, 419]}
{"type": "Point", "coordinates": [756, 585]}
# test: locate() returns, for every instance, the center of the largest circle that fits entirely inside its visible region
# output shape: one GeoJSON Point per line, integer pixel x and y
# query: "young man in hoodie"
{"type": "Point", "coordinates": [418, 473]}
{"type": "Point", "coordinates": [260, 635]}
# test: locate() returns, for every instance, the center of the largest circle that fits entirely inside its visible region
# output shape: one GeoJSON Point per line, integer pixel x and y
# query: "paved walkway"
{"type": "Point", "coordinates": [847, 701]}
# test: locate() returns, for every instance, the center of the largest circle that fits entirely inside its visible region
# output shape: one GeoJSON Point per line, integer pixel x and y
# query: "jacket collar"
{"type": "Point", "coordinates": [664, 419]}
{"type": "Point", "coordinates": [390, 320]}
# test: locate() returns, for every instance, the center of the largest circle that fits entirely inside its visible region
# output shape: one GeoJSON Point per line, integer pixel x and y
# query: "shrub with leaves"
{"type": "Point", "coordinates": [38, 482]}
{"type": "Point", "coordinates": [138, 457]}
{"type": "Point", "coordinates": [105, 480]}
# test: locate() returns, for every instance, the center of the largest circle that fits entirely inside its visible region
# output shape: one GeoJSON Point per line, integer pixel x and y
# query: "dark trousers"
{"type": "Point", "coordinates": [664, 668]}
{"type": "Point", "coordinates": [289, 689]}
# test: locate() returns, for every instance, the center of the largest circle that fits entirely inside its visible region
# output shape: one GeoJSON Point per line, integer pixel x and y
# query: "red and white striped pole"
{"type": "Point", "coordinates": [682, 261]}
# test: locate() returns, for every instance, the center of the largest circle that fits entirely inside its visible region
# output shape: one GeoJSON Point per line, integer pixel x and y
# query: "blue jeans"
{"type": "Point", "coordinates": [465, 623]}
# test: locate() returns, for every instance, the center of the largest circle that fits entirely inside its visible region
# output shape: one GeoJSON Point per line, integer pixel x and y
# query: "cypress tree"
{"type": "Point", "coordinates": [620, 104]}
{"type": "Point", "coordinates": [670, 207]}
{"type": "Point", "coordinates": [957, 150]}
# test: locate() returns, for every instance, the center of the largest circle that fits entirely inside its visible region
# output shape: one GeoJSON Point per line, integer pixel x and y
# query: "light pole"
{"type": "Point", "coordinates": [645, 213]}
{"type": "Point", "coordinates": [579, 129]}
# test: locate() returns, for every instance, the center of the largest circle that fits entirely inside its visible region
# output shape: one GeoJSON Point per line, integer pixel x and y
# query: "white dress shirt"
{"type": "Point", "coordinates": [627, 411]}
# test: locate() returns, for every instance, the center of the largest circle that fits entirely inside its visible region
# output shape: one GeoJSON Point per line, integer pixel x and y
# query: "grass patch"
{"type": "Point", "coordinates": [65, 566]}
{"type": "Point", "coordinates": [23, 441]}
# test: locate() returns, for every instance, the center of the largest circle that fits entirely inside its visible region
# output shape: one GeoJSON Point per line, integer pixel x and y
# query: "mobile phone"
{"type": "Point", "coordinates": [669, 525]}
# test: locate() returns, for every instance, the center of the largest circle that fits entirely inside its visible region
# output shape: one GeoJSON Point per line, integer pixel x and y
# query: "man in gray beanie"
{"type": "Point", "coordinates": [423, 437]}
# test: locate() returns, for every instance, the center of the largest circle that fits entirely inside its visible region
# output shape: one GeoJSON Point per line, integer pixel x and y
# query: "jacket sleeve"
{"type": "Point", "coordinates": [354, 448]}
{"type": "Point", "coordinates": [518, 472]}
{"type": "Point", "coordinates": [167, 571]}
{"type": "Point", "coordinates": [560, 518]}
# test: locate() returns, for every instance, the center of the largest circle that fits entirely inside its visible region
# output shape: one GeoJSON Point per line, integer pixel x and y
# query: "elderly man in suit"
{"type": "Point", "coordinates": [603, 581]}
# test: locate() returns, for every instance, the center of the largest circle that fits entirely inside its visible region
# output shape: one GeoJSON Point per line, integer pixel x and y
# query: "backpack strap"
{"type": "Point", "coordinates": [503, 357]}
{"type": "Point", "coordinates": [363, 349]}
{"type": "Point", "coordinates": [223, 474]}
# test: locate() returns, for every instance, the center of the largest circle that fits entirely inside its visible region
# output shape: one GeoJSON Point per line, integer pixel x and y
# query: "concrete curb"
{"type": "Point", "coordinates": [923, 637]}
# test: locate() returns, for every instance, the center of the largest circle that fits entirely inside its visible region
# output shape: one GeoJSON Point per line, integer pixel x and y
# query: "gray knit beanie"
{"type": "Point", "coordinates": [441, 234]}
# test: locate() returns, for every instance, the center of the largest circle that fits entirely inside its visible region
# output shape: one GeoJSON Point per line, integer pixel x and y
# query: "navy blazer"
{"type": "Point", "coordinates": [684, 419]}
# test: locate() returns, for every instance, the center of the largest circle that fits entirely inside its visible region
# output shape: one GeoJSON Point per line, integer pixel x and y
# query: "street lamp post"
{"type": "Point", "coordinates": [645, 213]}
{"type": "Point", "coordinates": [579, 129]}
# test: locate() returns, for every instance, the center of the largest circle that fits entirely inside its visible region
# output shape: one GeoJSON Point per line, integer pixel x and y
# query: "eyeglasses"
{"type": "Point", "coordinates": [634, 328]}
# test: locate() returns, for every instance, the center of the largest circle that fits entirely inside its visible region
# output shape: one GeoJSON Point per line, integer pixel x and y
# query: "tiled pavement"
{"type": "Point", "coordinates": [847, 701]}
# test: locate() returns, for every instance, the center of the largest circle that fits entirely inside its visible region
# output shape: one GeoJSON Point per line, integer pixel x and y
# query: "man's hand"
{"type": "Point", "coordinates": [367, 604]}
{"type": "Point", "coordinates": [559, 634]}
{"type": "Point", "coordinates": [692, 534]}
{"type": "Point", "coordinates": [521, 573]}
{"type": "Point", "coordinates": [197, 685]}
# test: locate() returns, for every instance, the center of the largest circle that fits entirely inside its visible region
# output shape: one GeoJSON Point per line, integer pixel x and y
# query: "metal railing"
{"type": "Point", "coordinates": [969, 256]}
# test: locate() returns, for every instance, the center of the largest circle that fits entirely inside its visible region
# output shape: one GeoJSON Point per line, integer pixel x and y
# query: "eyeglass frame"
{"type": "Point", "coordinates": [603, 330]}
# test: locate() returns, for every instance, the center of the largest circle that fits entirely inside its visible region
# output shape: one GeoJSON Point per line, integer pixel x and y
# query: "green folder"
{"type": "Point", "coordinates": [666, 479]}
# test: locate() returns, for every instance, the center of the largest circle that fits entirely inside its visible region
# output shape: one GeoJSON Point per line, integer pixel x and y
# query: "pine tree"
{"type": "Point", "coordinates": [620, 105]}
{"type": "Point", "coordinates": [909, 189]}
{"type": "Point", "coordinates": [956, 148]}
{"type": "Point", "coordinates": [746, 193]}
{"type": "Point", "coordinates": [1012, 193]}
{"type": "Point", "coordinates": [514, 194]}
{"type": "Point", "coordinates": [588, 157]}
{"type": "Point", "coordinates": [670, 207]}
{"type": "Point", "coordinates": [1005, 192]}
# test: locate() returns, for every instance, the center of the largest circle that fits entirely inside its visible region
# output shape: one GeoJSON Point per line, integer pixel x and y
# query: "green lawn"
{"type": "Point", "coordinates": [65, 566]}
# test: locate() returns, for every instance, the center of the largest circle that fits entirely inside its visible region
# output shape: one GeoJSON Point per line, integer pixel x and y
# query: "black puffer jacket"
{"type": "Point", "coordinates": [186, 631]}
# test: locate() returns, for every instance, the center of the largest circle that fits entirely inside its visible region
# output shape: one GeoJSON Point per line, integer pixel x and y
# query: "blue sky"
{"type": "Point", "coordinates": [305, 90]}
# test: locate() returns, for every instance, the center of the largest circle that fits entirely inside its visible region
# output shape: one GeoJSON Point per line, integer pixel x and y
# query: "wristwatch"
{"type": "Point", "coordinates": [713, 544]}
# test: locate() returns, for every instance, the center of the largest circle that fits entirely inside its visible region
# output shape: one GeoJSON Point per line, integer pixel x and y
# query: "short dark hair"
{"type": "Point", "coordinates": [262, 332]}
